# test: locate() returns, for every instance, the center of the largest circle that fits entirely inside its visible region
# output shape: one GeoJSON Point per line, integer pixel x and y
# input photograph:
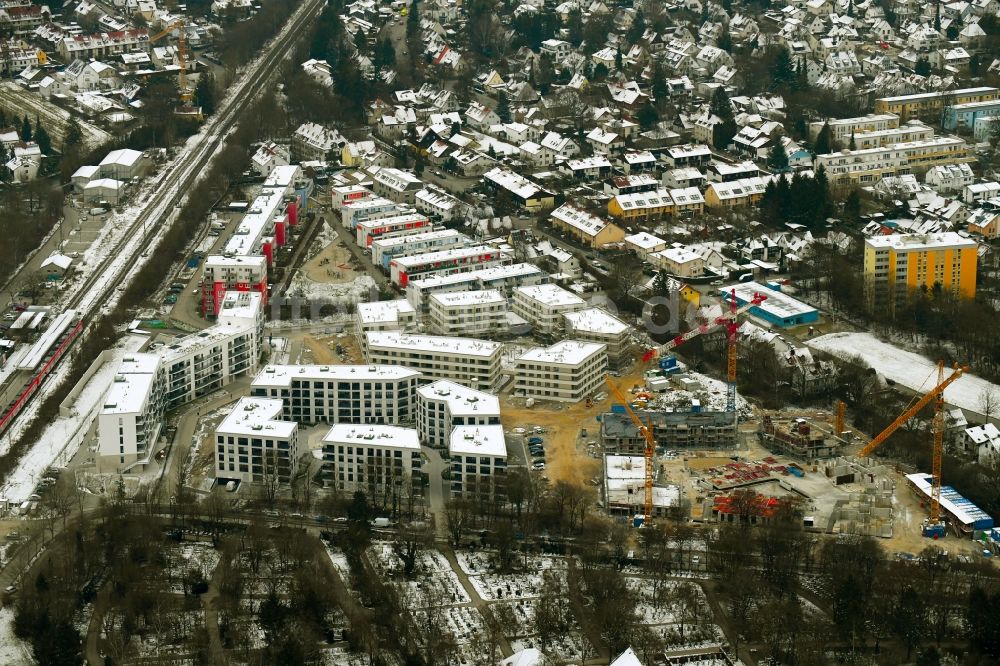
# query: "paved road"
{"type": "Point", "coordinates": [436, 492]}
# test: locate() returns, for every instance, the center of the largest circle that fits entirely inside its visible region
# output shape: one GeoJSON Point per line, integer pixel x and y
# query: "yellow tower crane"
{"type": "Point", "coordinates": [936, 394]}
{"type": "Point", "coordinates": [182, 54]}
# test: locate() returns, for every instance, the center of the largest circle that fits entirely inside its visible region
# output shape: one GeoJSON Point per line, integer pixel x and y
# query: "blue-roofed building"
{"type": "Point", "coordinates": [962, 513]}
{"type": "Point", "coordinates": [780, 309]}
{"type": "Point", "coordinates": [964, 116]}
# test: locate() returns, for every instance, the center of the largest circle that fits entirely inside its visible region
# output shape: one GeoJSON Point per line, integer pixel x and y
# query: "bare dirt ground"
{"type": "Point", "coordinates": [333, 264]}
{"type": "Point", "coordinates": [322, 349]}
{"type": "Point", "coordinates": [566, 457]}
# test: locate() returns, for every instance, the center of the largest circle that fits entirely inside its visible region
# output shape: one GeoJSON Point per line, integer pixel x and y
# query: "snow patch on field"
{"type": "Point", "coordinates": [13, 651]}
{"type": "Point", "coordinates": [915, 372]}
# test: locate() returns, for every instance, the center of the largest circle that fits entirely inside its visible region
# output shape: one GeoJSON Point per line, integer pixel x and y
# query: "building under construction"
{"type": "Point", "coordinates": [797, 437]}
{"type": "Point", "coordinates": [672, 430]}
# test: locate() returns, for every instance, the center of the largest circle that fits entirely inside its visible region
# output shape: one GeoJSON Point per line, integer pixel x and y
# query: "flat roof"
{"type": "Point", "coordinates": [413, 239]}
{"type": "Point", "coordinates": [595, 320]}
{"type": "Point", "coordinates": [909, 242]}
{"type": "Point", "coordinates": [392, 221]}
{"type": "Point", "coordinates": [139, 364]}
{"type": "Point", "coordinates": [224, 261]}
{"type": "Point", "coordinates": [679, 255]}
{"type": "Point", "coordinates": [128, 393]}
{"type": "Point", "coordinates": [443, 255]}
{"type": "Point", "coordinates": [478, 440]}
{"type": "Point", "coordinates": [239, 305]}
{"type": "Point", "coordinates": [281, 376]}
{"type": "Point", "coordinates": [943, 93]}
{"type": "Point", "coordinates": [462, 400]}
{"type": "Point", "coordinates": [484, 274]}
{"type": "Point", "coordinates": [779, 304]}
{"type": "Point", "coordinates": [257, 417]}
{"type": "Point", "coordinates": [463, 298]}
{"type": "Point", "coordinates": [439, 344]}
{"type": "Point", "coordinates": [380, 312]}
{"type": "Point", "coordinates": [565, 352]}
{"type": "Point", "coordinates": [386, 436]}
{"type": "Point", "coordinates": [550, 294]}
{"type": "Point", "coordinates": [644, 240]}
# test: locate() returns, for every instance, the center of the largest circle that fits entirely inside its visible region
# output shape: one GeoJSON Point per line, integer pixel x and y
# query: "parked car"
{"type": "Point", "coordinates": [535, 440]}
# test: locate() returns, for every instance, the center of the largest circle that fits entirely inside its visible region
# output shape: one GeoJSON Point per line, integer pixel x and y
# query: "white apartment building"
{"type": "Point", "coordinates": [203, 362]}
{"type": "Point", "coordinates": [231, 273]}
{"type": "Point", "coordinates": [872, 164]}
{"type": "Point", "coordinates": [468, 361]}
{"type": "Point", "coordinates": [432, 201]}
{"type": "Point", "coordinates": [253, 445]}
{"type": "Point", "coordinates": [478, 460]}
{"type": "Point", "coordinates": [396, 185]}
{"type": "Point", "coordinates": [340, 393]}
{"type": "Point", "coordinates": [397, 315]}
{"type": "Point", "coordinates": [385, 249]}
{"type": "Point", "coordinates": [444, 405]}
{"type": "Point", "coordinates": [367, 208]}
{"type": "Point", "coordinates": [445, 262]}
{"type": "Point", "coordinates": [371, 229]}
{"type": "Point", "coordinates": [383, 461]}
{"type": "Point", "coordinates": [597, 325]}
{"type": "Point", "coordinates": [503, 278]}
{"type": "Point", "coordinates": [568, 371]}
{"type": "Point", "coordinates": [480, 312]}
{"type": "Point", "coordinates": [130, 418]}
{"type": "Point", "coordinates": [543, 306]}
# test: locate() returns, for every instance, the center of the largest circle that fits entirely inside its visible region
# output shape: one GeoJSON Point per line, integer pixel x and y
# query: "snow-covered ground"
{"type": "Point", "coordinates": [13, 651]}
{"type": "Point", "coordinates": [908, 369]}
{"type": "Point", "coordinates": [61, 439]}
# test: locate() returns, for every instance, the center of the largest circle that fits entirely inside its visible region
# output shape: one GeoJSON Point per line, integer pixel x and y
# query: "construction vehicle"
{"type": "Point", "coordinates": [933, 527]}
{"type": "Point", "coordinates": [186, 93]}
{"type": "Point", "coordinates": [728, 319]}
{"type": "Point", "coordinates": [646, 430]}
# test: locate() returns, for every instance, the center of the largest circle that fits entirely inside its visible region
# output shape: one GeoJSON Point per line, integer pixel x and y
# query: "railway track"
{"type": "Point", "coordinates": [139, 240]}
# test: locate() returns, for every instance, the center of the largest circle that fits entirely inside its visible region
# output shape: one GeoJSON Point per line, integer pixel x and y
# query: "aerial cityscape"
{"type": "Point", "coordinates": [482, 333]}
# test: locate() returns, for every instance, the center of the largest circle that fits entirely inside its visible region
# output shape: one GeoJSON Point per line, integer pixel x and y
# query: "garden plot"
{"type": "Point", "coordinates": [571, 647]}
{"type": "Point", "coordinates": [186, 558]}
{"type": "Point", "coordinates": [436, 589]}
{"type": "Point", "coordinates": [499, 587]}
{"type": "Point", "coordinates": [474, 564]}
{"type": "Point", "coordinates": [463, 623]}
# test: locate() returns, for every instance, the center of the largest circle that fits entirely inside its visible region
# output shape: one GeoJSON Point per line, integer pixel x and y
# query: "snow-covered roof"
{"type": "Point", "coordinates": [596, 321]}
{"type": "Point", "coordinates": [478, 440]}
{"type": "Point", "coordinates": [439, 344]}
{"type": "Point", "coordinates": [281, 376]}
{"type": "Point", "coordinates": [462, 400]}
{"type": "Point", "coordinates": [388, 436]}
{"type": "Point", "coordinates": [565, 352]}
{"type": "Point", "coordinates": [258, 417]}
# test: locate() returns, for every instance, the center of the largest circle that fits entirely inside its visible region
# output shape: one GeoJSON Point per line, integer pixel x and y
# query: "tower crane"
{"type": "Point", "coordinates": [728, 319]}
{"type": "Point", "coordinates": [186, 93]}
{"type": "Point", "coordinates": [937, 395]}
{"type": "Point", "coordinates": [646, 430]}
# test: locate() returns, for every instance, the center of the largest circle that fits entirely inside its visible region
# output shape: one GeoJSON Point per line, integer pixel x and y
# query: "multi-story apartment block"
{"type": "Point", "coordinates": [911, 131]}
{"type": "Point", "coordinates": [131, 415]}
{"type": "Point", "coordinates": [478, 460]}
{"type": "Point", "coordinates": [503, 278]}
{"type": "Point", "coordinates": [354, 211]}
{"type": "Point", "coordinates": [100, 46]}
{"type": "Point", "coordinates": [930, 105]}
{"type": "Point", "coordinates": [841, 129]}
{"type": "Point", "coordinates": [964, 116]}
{"type": "Point", "coordinates": [312, 141]}
{"type": "Point", "coordinates": [253, 445]}
{"type": "Point", "coordinates": [383, 461]}
{"type": "Point", "coordinates": [340, 393]}
{"type": "Point", "coordinates": [396, 185]}
{"type": "Point", "coordinates": [432, 201]}
{"type": "Point", "coordinates": [568, 371]}
{"type": "Point", "coordinates": [445, 405]}
{"type": "Point", "coordinates": [231, 273]}
{"type": "Point", "coordinates": [870, 165]}
{"type": "Point", "coordinates": [397, 315]}
{"type": "Point", "coordinates": [543, 306]}
{"type": "Point", "coordinates": [597, 325]}
{"type": "Point", "coordinates": [470, 313]}
{"type": "Point", "coordinates": [471, 362]}
{"type": "Point", "coordinates": [204, 362]}
{"type": "Point", "coordinates": [371, 229]}
{"type": "Point", "coordinates": [385, 249]}
{"type": "Point", "coordinates": [897, 264]}
{"type": "Point", "coordinates": [445, 262]}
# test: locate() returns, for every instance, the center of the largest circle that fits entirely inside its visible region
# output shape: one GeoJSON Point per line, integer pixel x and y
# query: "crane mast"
{"type": "Point", "coordinates": [646, 430]}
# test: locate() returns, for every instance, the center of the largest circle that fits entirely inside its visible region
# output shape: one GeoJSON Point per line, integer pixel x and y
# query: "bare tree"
{"type": "Point", "coordinates": [989, 402]}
